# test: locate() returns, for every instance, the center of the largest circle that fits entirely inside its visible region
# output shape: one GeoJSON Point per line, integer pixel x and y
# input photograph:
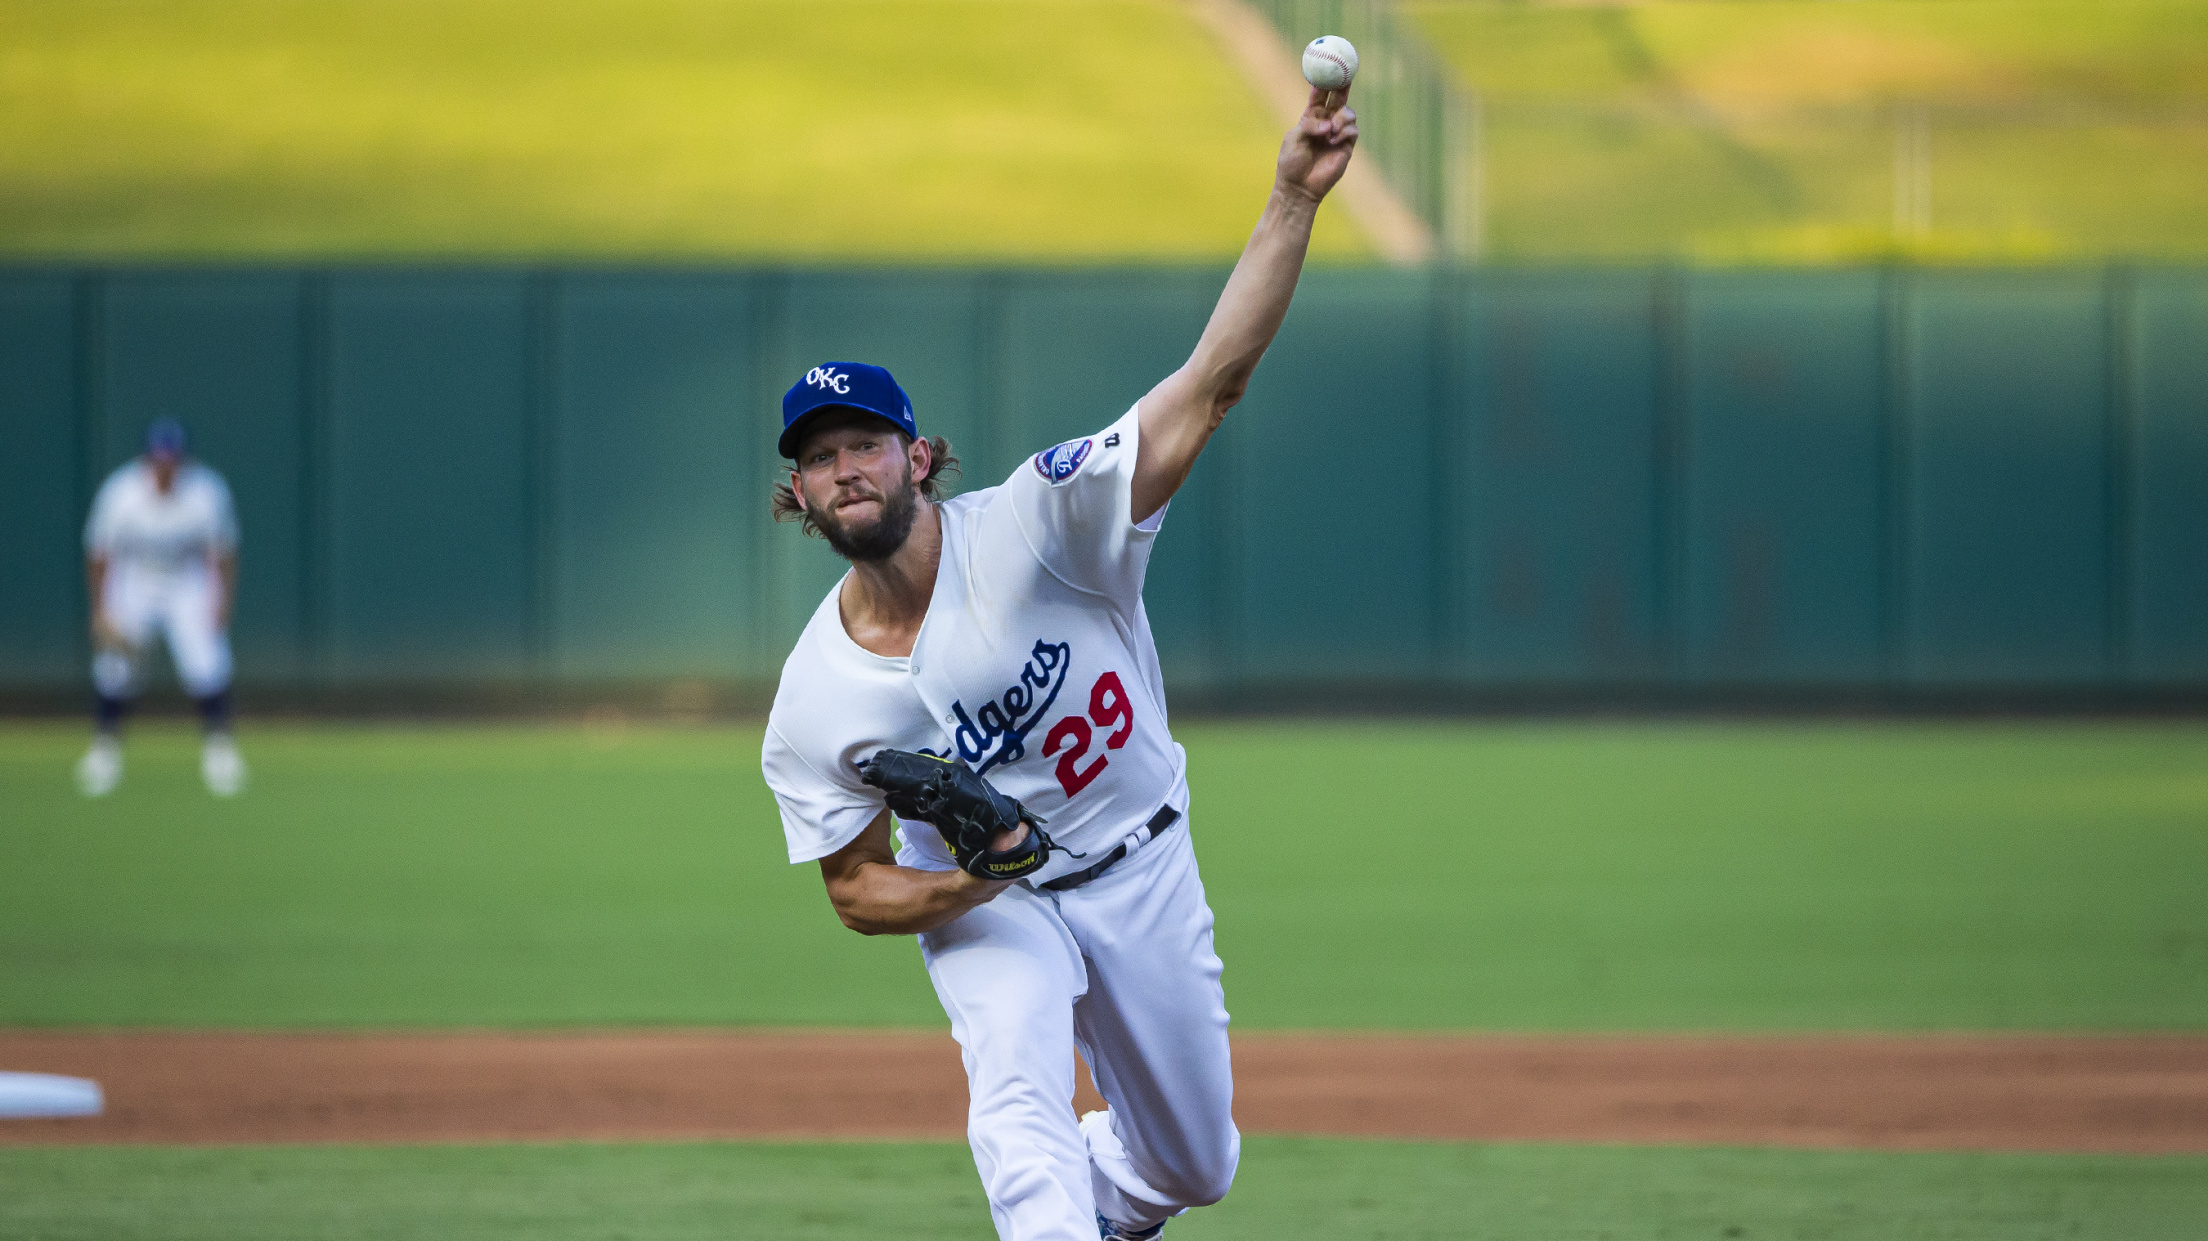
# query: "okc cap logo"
{"type": "Point", "coordinates": [845, 385]}
{"type": "Point", "coordinates": [1056, 465]}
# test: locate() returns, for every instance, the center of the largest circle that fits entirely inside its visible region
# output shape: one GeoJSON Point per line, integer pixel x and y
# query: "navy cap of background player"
{"type": "Point", "coordinates": [847, 385]}
{"type": "Point", "coordinates": [165, 438]}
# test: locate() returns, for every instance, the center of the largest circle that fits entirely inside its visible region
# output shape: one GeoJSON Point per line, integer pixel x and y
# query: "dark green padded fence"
{"type": "Point", "coordinates": [1442, 484]}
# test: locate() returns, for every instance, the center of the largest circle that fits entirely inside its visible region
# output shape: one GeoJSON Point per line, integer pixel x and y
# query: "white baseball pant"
{"type": "Point", "coordinates": [1123, 967]}
{"type": "Point", "coordinates": [180, 608]}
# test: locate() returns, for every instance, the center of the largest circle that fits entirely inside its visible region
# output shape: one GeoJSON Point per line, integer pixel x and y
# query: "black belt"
{"type": "Point", "coordinates": [1159, 823]}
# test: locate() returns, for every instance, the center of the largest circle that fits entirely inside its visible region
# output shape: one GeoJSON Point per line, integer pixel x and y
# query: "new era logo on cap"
{"type": "Point", "coordinates": [843, 385]}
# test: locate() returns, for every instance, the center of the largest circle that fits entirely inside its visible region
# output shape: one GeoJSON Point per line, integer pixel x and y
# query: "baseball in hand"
{"type": "Point", "coordinates": [1330, 62]}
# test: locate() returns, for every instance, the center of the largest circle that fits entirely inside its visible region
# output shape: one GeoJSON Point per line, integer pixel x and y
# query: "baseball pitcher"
{"type": "Point", "coordinates": [984, 679]}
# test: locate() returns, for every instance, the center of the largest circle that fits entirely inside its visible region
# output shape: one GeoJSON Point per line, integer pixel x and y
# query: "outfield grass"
{"type": "Point", "coordinates": [1387, 875]}
{"type": "Point", "coordinates": [628, 129]}
{"type": "Point", "coordinates": [2059, 128]}
{"type": "Point", "coordinates": [1341, 1190]}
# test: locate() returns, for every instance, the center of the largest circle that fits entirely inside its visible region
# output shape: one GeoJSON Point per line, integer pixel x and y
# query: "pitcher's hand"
{"type": "Point", "coordinates": [1316, 152]}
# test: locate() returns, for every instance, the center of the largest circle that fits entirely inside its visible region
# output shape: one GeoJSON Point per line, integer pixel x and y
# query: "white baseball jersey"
{"type": "Point", "coordinates": [160, 578]}
{"type": "Point", "coordinates": [140, 530]}
{"type": "Point", "coordinates": [1034, 664]}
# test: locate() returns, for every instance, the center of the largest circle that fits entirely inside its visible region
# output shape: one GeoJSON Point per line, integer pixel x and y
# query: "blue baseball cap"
{"type": "Point", "coordinates": [165, 438]}
{"type": "Point", "coordinates": [843, 385]}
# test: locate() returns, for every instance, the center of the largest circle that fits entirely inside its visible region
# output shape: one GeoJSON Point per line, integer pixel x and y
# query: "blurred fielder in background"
{"type": "Point", "coordinates": [161, 556]}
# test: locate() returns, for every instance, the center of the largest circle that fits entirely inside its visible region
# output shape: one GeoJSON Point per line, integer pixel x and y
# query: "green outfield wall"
{"type": "Point", "coordinates": [1444, 485]}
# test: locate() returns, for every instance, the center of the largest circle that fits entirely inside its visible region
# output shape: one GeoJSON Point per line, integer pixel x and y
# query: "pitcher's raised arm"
{"type": "Point", "coordinates": [1179, 415]}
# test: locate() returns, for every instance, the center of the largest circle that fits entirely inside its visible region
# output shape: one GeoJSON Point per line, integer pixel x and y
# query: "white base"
{"type": "Point", "coordinates": [48, 1094]}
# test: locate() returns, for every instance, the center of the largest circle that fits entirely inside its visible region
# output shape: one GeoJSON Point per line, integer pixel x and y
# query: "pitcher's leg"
{"type": "Point", "coordinates": [1008, 974]}
{"type": "Point", "coordinates": [1153, 1027]}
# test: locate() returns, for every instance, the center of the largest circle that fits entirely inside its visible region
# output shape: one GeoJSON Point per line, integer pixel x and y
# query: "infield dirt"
{"type": "Point", "coordinates": [2132, 1094]}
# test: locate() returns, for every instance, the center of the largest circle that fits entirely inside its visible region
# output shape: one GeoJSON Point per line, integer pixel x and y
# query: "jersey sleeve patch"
{"type": "Point", "coordinates": [1058, 464]}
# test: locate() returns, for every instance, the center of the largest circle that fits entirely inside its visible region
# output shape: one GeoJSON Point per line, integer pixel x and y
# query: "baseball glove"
{"type": "Point", "coordinates": [965, 808]}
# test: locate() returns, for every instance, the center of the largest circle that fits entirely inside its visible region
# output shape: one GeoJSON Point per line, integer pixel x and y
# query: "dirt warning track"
{"type": "Point", "coordinates": [2137, 1094]}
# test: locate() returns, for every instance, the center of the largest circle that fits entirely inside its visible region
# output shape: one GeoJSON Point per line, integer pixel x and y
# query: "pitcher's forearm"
{"type": "Point", "coordinates": [1255, 301]}
{"type": "Point", "coordinates": [881, 898]}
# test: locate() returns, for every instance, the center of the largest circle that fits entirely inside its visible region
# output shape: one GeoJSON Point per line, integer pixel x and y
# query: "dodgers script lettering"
{"type": "Point", "coordinates": [996, 731]}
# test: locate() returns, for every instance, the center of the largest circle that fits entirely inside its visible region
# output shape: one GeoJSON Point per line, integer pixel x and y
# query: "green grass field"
{"type": "Point", "coordinates": [1552, 876]}
{"type": "Point", "coordinates": [838, 130]}
{"type": "Point", "coordinates": [1288, 1187]}
{"type": "Point", "coordinates": [2059, 129]}
{"type": "Point", "coordinates": [1535, 876]}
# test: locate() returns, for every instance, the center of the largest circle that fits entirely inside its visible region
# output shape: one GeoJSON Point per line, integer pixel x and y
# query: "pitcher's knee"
{"type": "Point", "coordinates": [1201, 1181]}
{"type": "Point", "coordinates": [1215, 1186]}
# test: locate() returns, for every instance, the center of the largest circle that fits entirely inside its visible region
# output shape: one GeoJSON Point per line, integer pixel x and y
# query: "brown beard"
{"type": "Point", "coordinates": [880, 540]}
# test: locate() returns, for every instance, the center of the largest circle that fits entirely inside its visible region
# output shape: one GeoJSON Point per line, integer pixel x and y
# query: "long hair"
{"type": "Point", "coordinates": [941, 463]}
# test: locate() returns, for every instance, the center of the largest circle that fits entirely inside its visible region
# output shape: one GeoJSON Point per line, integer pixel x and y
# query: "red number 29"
{"type": "Point", "coordinates": [1108, 706]}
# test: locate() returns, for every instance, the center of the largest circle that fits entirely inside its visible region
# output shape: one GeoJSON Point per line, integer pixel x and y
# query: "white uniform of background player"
{"type": "Point", "coordinates": [161, 559]}
{"type": "Point", "coordinates": [1006, 628]}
